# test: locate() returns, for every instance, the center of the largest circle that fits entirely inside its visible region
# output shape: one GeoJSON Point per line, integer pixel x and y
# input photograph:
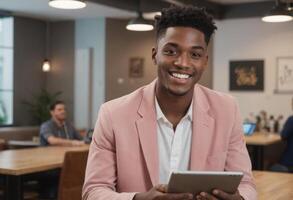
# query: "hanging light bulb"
{"type": "Point", "coordinates": [139, 24]}
{"type": "Point", "coordinates": [67, 4]}
{"type": "Point", "coordinates": [278, 14]}
{"type": "Point", "coordinates": [46, 66]}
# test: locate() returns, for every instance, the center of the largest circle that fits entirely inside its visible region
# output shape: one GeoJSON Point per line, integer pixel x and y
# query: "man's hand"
{"type": "Point", "coordinates": [218, 195]}
{"type": "Point", "coordinates": [52, 140]}
{"type": "Point", "coordinates": [77, 143]}
{"type": "Point", "coordinates": [159, 192]}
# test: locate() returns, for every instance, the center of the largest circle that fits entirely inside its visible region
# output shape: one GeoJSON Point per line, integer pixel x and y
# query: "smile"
{"type": "Point", "coordinates": [180, 76]}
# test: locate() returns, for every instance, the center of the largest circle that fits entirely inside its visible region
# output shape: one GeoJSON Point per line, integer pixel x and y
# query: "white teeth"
{"type": "Point", "coordinates": [181, 76]}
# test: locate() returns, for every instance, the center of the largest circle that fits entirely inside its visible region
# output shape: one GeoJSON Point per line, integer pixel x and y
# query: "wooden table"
{"type": "Point", "coordinates": [272, 185]}
{"type": "Point", "coordinates": [262, 139]}
{"type": "Point", "coordinates": [258, 141]}
{"type": "Point", "coordinates": [23, 143]}
{"type": "Point", "coordinates": [18, 162]}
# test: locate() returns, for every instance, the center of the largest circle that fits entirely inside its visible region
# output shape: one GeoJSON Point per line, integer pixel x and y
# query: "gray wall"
{"type": "Point", "coordinates": [29, 53]}
{"type": "Point", "coordinates": [121, 45]}
{"type": "Point", "coordinates": [60, 78]}
{"type": "Point", "coordinates": [207, 77]}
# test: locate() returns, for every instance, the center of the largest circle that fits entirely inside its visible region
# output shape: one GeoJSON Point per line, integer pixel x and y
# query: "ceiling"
{"type": "Point", "coordinates": [127, 8]}
{"type": "Point", "coordinates": [40, 9]}
{"type": "Point", "coordinates": [236, 1]}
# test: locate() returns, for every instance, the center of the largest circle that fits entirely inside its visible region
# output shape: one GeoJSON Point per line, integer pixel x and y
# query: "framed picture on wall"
{"type": "Point", "coordinates": [136, 66]}
{"type": "Point", "coordinates": [284, 75]}
{"type": "Point", "coordinates": [246, 75]}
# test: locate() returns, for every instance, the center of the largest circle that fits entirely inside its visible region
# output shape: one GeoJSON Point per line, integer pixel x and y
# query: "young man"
{"type": "Point", "coordinates": [171, 124]}
{"type": "Point", "coordinates": [58, 131]}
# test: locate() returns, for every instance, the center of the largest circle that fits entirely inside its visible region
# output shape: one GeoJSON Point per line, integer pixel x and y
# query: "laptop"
{"type": "Point", "coordinates": [89, 135]}
{"type": "Point", "coordinates": [248, 128]}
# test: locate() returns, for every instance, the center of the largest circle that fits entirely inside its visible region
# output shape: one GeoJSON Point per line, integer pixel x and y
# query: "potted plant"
{"type": "Point", "coordinates": [39, 106]}
{"type": "Point", "coordinates": [3, 115]}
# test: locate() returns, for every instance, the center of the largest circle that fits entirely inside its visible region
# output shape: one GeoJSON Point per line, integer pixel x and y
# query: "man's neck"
{"type": "Point", "coordinates": [174, 107]}
{"type": "Point", "coordinates": [59, 123]}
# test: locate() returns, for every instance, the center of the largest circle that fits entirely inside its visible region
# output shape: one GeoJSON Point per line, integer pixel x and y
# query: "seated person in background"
{"type": "Point", "coordinates": [58, 131]}
{"type": "Point", "coordinates": [287, 135]}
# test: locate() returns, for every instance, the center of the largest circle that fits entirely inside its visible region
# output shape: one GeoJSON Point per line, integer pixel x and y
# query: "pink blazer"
{"type": "Point", "coordinates": [123, 156]}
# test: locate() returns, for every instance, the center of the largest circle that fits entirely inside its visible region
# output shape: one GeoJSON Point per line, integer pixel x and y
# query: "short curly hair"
{"type": "Point", "coordinates": [185, 16]}
{"type": "Point", "coordinates": [54, 104]}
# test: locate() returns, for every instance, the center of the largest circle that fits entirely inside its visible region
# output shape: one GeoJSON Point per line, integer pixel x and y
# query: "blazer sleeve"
{"type": "Point", "coordinates": [100, 176]}
{"type": "Point", "coordinates": [238, 158]}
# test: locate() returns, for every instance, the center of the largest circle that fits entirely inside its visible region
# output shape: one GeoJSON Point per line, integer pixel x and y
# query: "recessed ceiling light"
{"type": "Point", "coordinates": [67, 4]}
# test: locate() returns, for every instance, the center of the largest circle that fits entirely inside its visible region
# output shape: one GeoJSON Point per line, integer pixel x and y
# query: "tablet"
{"type": "Point", "coordinates": [204, 181]}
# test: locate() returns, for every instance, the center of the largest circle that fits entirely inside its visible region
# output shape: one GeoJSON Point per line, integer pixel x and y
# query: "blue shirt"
{"type": "Point", "coordinates": [50, 128]}
{"type": "Point", "coordinates": [287, 135]}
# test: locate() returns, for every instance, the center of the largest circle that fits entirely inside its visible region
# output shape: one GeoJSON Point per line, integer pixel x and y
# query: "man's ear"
{"type": "Point", "coordinates": [206, 61]}
{"type": "Point", "coordinates": [154, 54]}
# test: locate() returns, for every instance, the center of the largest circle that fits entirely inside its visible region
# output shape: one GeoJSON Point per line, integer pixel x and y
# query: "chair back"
{"type": "Point", "coordinates": [2, 144]}
{"type": "Point", "coordinates": [72, 175]}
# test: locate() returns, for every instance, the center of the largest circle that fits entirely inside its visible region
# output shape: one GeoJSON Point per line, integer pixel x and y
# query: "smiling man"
{"type": "Point", "coordinates": [169, 125]}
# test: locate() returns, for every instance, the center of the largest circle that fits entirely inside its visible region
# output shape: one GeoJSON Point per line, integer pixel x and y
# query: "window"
{"type": "Point", "coordinates": [6, 71]}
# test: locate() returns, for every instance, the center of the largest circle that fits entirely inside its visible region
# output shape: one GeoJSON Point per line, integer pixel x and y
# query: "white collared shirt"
{"type": "Point", "coordinates": [174, 147]}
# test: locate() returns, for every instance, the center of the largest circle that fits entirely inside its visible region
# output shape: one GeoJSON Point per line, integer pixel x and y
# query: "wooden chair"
{"type": "Point", "coordinates": [2, 144]}
{"type": "Point", "coordinates": [72, 175]}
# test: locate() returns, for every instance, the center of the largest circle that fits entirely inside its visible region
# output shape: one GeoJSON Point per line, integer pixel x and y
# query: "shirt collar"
{"type": "Point", "coordinates": [160, 114]}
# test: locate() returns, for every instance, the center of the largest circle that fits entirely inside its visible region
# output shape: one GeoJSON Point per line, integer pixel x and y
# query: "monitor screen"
{"type": "Point", "coordinates": [248, 128]}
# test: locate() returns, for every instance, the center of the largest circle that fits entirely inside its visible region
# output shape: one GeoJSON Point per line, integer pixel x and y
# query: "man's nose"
{"type": "Point", "coordinates": [182, 61]}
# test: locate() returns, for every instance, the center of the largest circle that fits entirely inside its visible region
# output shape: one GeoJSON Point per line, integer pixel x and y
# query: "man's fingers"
{"type": "Point", "coordinates": [161, 188]}
{"type": "Point", "coordinates": [177, 196]}
{"type": "Point", "coordinates": [220, 194]}
{"type": "Point", "coordinates": [207, 196]}
{"type": "Point", "coordinates": [223, 195]}
{"type": "Point", "coordinates": [198, 197]}
{"type": "Point", "coordinates": [171, 196]}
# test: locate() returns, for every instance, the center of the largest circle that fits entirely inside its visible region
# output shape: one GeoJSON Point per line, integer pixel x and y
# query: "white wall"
{"type": "Point", "coordinates": [83, 88]}
{"type": "Point", "coordinates": [245, 39]}
{"type": "Point", "coordinates": [90, 34]}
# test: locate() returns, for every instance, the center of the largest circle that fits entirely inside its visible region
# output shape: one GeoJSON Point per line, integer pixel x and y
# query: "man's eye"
{"type": "Point", "coordinates": [195, 55]}
{"type": "Point", "coordinates": [169, 52]}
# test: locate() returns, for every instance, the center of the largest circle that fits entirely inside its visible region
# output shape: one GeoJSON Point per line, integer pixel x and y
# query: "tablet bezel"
{"type": "Point", "coordinates": [204, 181]}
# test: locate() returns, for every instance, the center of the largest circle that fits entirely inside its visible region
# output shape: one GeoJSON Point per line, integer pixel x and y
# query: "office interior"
{"type": "Point", "coordinates": [92, 55]}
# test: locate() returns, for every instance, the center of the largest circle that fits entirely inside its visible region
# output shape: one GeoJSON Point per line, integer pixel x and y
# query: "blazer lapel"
{"type": "Point", "coordinates": [147, 131]}
{"type": "Point", "coordinates": [202, 131]}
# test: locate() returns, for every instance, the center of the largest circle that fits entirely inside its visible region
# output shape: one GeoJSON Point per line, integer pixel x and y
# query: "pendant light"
{"type": "Point", "coordinates": [67, 4]}
{"type": "Point", "coordinates": [46, 67]}
{"type": "Point", "coordinates": [278, 13]}
{"type": "Point", "coordinates": [139, 23]}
